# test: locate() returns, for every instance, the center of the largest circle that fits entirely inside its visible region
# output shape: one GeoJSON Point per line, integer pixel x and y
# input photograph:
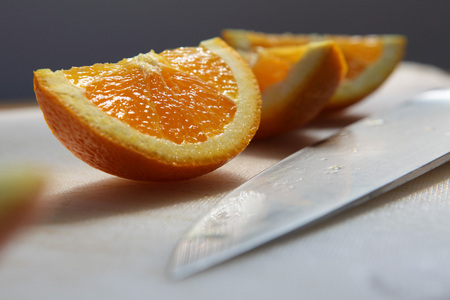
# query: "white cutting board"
{"type": "Point", "coordinates": [102, 237]}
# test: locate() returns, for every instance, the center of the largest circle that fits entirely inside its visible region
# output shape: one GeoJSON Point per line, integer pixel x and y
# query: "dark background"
{"type": "Point", "coordinates": [58, 34]}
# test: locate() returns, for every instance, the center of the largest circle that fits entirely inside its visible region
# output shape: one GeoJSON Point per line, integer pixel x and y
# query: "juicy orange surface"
{"type": "Point", "coordinates": [270, 70]}
{"type": "Point", "coordinates": [363, 53]}
{"type": "Point", "coordinates": [185, 99]}
{"type": "Point", "coordinates": [273, 65]}
{"type": "Point", "coordinates": [359, 52]}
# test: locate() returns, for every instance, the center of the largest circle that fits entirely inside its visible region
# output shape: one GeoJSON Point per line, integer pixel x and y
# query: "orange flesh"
{"type": "Point", "coordinates": [182, 101]}
{"type": "Point", "coordinates": [273, 65]}
{"type": "Point", "coordinates": [270, 70]}
{"type": "Point", "coordinates": [359, 55]}
{"type": "Point", "coordinates": [359, 52]}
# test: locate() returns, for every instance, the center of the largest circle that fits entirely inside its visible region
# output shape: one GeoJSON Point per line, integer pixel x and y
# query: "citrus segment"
{"type": "Point", "coordinates": [370, 59]}
{"type": "Point", "coordinates": [273, 65]}
{"type": "Point", "coordinates": [167, 116]}
{"type": "Point", "coordinates": [367, 74]}
{"type": "Point", "coordinates": [359, 52]}
{"type": "Point", "coordinates": [296, 83]}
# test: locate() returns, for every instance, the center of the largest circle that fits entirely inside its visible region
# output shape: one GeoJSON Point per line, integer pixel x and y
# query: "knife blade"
{"type": "Point", "coordinates": [362, 161]}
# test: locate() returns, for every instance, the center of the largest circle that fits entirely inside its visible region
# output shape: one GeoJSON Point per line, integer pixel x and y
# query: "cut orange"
{"type": "Point", "coordinates": [19, 189]}
{"type": "Point", "coordinates": [296, 82]}
{"type": "Point", "coordinates": [370, 59]}
{"type": "Point", "coordinates": [168, 116]}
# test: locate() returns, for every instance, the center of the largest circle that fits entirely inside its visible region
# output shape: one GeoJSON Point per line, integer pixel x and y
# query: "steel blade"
{"type": "Point", "coordinates": [362, 161]}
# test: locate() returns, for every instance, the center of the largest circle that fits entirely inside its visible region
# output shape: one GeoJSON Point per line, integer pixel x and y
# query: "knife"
{"type": "Point", "coordinates": [362, 161]}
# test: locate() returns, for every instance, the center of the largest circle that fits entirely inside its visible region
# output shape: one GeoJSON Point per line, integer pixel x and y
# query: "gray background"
{"type": "Point", "coordinates": [59, 34]}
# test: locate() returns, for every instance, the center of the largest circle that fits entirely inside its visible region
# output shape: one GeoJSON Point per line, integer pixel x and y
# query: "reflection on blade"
{"type": "Point", "coordinates": [221, 229]}
{"type": "Point", "coordinates": [364, 160]}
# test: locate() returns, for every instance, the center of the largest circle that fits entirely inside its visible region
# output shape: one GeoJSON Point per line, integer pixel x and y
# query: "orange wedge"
{"type": "Point", "coordinates": [19, 189]}
{"type": "Point", "coordinates": [296, 82]}
{"type": "Point", "coordinates": [370, 59]}
{"type": "Point", "coordinates": [168, 116]}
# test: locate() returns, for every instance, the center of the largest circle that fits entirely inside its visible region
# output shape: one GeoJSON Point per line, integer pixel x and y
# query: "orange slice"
{"type": "Point", "coordinates": [296, 82]}
{"type": "Point", "coordinates": [370, 59]}
{"type": "Point", "coordinates": [168, 116]}
{"type": "Point", "coordinates": [19, 188]}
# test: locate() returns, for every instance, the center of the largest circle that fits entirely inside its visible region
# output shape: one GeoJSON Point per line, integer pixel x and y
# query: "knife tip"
{"type": "Point", "coordinates": [178, 272]}
{"type": "Point", "coordinates": [182, 266]}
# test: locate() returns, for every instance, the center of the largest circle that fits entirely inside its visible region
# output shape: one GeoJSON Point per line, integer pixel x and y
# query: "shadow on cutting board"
{"type": "Point", "coordinates": [114, 196]}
